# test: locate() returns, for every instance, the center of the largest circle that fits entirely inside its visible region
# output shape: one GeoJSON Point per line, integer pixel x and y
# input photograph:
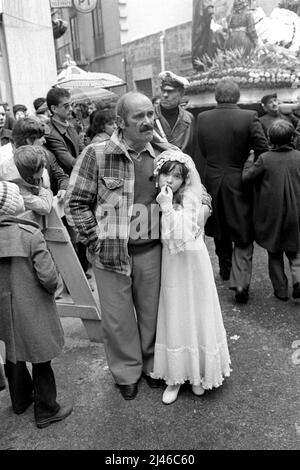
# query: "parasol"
{"type": "Point", "coordinates": [75, 77]}
{"type": "Point", "coordinates": [91, 94]}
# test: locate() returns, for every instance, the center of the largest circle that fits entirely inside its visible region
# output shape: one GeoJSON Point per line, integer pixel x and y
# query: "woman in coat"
{"type": "Point", "coordinates": [29, 323]}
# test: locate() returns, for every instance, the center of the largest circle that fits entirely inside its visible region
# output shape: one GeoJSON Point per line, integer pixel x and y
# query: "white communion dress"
{"type": "Point", "coordinates": [191, 342]}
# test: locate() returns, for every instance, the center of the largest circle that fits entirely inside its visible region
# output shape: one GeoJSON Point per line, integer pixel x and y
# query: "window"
{"type": "Point", "coordinates": [98, 30]}
{"type": "Point", "coordinates": [144, 86]}
{"type": "Point", "coordinates": [61, 54]}
{"type": "Point", "coordinates": [75, 38]}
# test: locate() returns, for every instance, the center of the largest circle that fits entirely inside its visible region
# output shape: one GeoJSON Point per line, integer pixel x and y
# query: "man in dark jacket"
{"type": "Point", "coordinates": [226, 135]}
{"type": "Point", "coordinates": [62, 140]}
{"type": "Point", "coordinates": [172, 122]}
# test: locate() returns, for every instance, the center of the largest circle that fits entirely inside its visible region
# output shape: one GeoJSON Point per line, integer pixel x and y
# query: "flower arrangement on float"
{"type": "Point", "coordinates": [264, 68]}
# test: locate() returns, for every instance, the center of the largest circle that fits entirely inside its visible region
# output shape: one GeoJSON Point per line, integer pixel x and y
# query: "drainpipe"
{"type": "Point", "coordinates": [162, 51]}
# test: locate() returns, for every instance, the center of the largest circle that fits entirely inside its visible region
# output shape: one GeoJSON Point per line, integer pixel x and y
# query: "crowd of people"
{"type": "Point", "coordinates": [137, 211]}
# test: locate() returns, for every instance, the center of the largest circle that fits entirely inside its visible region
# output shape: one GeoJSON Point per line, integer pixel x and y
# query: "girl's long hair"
{"type": "Point", "coordinates": [167, 168]}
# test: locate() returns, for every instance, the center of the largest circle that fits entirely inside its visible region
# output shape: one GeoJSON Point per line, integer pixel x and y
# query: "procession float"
{"type": "Point", "coordinates": [259, 51]}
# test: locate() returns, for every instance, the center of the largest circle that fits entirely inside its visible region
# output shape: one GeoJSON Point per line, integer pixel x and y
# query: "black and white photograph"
{"type": "Point", "coordinates": [149, 228]}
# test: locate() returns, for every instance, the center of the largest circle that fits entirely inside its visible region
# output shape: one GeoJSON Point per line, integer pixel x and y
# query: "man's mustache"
{"type": "Point", "coordinates": [146, 127]}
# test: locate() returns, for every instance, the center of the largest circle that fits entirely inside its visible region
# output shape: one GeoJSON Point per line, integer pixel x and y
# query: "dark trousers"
{"type": "Point", "coordinates": [40, 388]}
{"type": "Point", "coordinates": [277, 274]}
{"type": "Point", "coordinates": [224, 245]}
{"type": "Point", "coordinates": [235, 259]}
{"type": "Point", "coordinates": [241, 270]}
{"type": "Point", "coordinates": [81, 253]}
{"type": "Point", "coordinates": [224, 253]}
{"type": "Point", "coordinates": [78, 246]}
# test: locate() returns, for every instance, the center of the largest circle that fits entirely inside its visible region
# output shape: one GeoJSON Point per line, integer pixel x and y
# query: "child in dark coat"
{"type": "Point", "coordinates": [29, 323]}
{"type": "Point", "coordinates": [276, 213]}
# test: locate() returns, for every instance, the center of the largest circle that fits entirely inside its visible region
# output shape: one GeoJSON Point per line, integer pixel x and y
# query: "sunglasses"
{"type": "Point", "coordinates": [65, 105]}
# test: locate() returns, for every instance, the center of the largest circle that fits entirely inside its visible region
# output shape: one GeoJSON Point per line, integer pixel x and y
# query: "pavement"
{"type": "Point", "coordinates": [257, 408]}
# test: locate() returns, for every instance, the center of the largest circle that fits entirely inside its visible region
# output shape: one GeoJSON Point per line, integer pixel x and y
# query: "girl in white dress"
{"type": "Point", "coordinates": [191, 340]}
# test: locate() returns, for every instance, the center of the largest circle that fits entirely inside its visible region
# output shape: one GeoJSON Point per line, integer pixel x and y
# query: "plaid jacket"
{"type": "Point", "coordinates": [99, 202]}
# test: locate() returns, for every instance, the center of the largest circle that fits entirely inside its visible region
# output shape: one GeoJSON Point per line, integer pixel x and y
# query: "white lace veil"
{"type": "Point", "coordinates": [193, 181]}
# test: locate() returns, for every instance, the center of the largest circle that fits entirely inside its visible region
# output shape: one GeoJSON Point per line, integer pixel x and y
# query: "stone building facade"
{"type": "Point", "coordinates": [143, 58]}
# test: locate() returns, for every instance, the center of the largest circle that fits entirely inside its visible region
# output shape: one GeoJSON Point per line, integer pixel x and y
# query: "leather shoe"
{"type": "Point", "coordinates": [128, 392]}
{"type": "Point", "coordinates": [296, 291]}
{"type": "Point", "coordinates": [241, 295]}
{"type": "Point", "coordinates": [153, 383]}
{"type": "Point", "coordinates": [62, 413]}
{"type": "Point", "coordinates": [281, 297]}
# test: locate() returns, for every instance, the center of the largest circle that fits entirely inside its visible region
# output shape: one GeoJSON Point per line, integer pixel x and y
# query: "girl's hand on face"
{"type": "Point", "coordinates": [165, 196]}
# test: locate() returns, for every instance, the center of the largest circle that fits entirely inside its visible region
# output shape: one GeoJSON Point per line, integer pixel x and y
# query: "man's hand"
{"type": "Point", "coordinates": [165, 198]}
{"type": "Point", "coordinates": [207, 213]}
{"type": "Point", "coordinates": [251, 157]}
{"type": "Point", "coordinates": [61, 195]}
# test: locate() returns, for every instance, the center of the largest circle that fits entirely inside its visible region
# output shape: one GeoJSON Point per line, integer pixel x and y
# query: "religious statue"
{"type": "Point", "coordinates": [207, 35]}
{"type": "Point", "coordinates": [242, 34]}
{"type": "Point", "coordinates": [247, 28]}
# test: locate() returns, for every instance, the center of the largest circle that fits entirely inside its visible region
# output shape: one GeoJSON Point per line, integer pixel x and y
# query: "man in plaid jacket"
{"type": "Point", "coordinates": [111, 202]}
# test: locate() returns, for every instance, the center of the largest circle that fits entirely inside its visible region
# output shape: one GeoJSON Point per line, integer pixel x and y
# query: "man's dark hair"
{"type": "Point", "coordinates": [31, 157]}
{"type": "Point", "coordinates": [54, 96]}
{"type": "Point", "coordinates": [27, 128]}
{"type": "Point", "coordinates": [227, 91]}
{"type": "Point", "coordinates": [38, 102]}
{"type": "Point", "coordinates": [281, 132]}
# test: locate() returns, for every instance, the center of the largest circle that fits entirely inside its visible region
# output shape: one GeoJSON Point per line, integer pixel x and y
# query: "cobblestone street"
{"type": "Point", "coordinates": [258, 407]}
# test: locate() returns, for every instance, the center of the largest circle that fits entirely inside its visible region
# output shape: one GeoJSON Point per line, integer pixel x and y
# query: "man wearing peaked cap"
{"type": "Point", "coordinates": [270, 105]}
{"type": "Point", "coordinates": [172, 122]}
{"type": "Point", "coordinates": [171, 79]}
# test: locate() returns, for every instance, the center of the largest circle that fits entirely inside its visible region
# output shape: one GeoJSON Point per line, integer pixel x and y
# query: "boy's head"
{"type": "Point", "coordinates": [30, 161]}
{"type": "Point", "coordinates": [281, 132]}
{"type": "Point", "coordinates": [28, 131]}
{"type": "Point", "coordinates": [11, 201]}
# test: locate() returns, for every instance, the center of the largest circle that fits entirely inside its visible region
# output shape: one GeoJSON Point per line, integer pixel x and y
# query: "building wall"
{"type": "Point", "coordinates": [111, 62]}
{"type": "Point", "coordinates": [140, 18]}
{"type": "Point", "coordinates": [27, 67]}
{"type": "Point", "coordinates": [143, 59]}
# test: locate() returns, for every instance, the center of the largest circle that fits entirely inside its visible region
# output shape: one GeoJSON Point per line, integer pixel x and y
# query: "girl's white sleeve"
{"type": "Point", "coordinates": [182, 224]}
